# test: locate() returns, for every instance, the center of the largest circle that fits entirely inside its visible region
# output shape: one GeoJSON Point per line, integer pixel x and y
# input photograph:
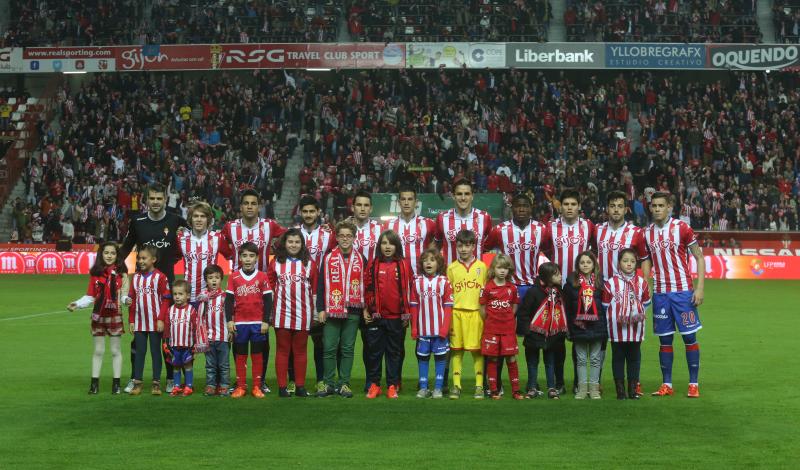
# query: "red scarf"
{"type": "Point", "coordinates": [549, 319]}
{"type": "Point", "coordinates": [630, 308]}
{"type": "Point", "coordinates": [344, 282]}
{"type": "Point", "coordinates": [110, 301]}
{"type": "Point", "coordinates": [587, 307]}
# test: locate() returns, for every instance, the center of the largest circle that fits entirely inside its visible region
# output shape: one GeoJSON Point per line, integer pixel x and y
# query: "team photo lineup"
{"type": "Point", "coordinates": [459, 283]}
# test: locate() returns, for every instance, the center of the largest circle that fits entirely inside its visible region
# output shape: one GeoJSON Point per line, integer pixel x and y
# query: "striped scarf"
{"type": "Point", "coordinates": [630, 308]}
{"type": "Point", "coordinates": [344, 282]}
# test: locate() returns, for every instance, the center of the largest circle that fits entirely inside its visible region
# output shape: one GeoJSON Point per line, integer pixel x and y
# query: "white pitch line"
{"type": "Point", "coordinates": [23, 317]}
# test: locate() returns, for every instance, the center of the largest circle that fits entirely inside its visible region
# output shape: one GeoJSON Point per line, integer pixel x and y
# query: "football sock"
{"type": "Point", "coordinates": [176, 376]}
{"type": "Point", "coordinates": [491, 375]}
{"type": "Point", "coordinates": [256, 359]}
{"type": "Point", "coordinates": [189, 373]}
{"type": "Point", "coordinates": [241, 370]}
{"type": "Point", "coordinates": [499, 375]}
{"type": "Point", "coordinates": [458, 359]}
{"type": "Point", "coordinates": [693, 361]}
{"type": "Point", "coordinates": [665, 357]}
{"type": "Point", "coordinates": [440, 364]}
{"type": "Point", "coordinates": [424, 363]}
{"type": "Point", "coordinates": [513, 376]}
{"type": "Point", "coordinates": [478, 360]}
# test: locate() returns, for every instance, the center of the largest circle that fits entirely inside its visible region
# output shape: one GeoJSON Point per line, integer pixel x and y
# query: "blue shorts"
{"type": "Point", "coordinates": [435, 345]}
{"type": "Point", "coordinates": [249, 332]}
{"type": "Point", "coordinates": [181, 356]}
{"type": "Point", "coordinates": [522, 289]}
{"type": "Point", "coordinates": [675, 308]}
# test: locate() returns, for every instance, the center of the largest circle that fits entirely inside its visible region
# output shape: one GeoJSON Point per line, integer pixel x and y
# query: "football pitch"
{"type": "Point", "coordinates": [748, 414]}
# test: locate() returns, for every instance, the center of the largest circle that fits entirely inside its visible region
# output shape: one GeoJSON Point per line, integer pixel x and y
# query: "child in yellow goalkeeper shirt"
{"type": "Point", "coordinates": [467, 276]}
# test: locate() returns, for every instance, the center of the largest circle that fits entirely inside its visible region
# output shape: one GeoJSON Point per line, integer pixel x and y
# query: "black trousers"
{"type": "Point", "coordinates": [141, 339]}
{"type": "Point", "coordinates": [629, 353]}
{"type": "Point", "coordinates": [385, 338]}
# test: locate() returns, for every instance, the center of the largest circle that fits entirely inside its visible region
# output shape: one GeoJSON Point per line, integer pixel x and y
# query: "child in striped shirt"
{"type": "Point", "coordinates": [431, 313]}
{"type": "Point", "coordinates": [180, 330]}
{"type": "Point", "coordinates": [218, 354]}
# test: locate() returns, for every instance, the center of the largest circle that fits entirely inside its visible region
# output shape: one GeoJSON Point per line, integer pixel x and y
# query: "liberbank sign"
{"type": "Point", "coordinates": [555, 55]}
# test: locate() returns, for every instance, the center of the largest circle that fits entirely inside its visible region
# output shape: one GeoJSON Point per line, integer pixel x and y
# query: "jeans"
{"type": "Point", "coordinates": [339, 332]}
{"type": "Point", "coordinates": [532, 360]}
{"type": "Point", "coordinates": [591, 353]}
{"type": "Point", "coordinates": [218, 364]}
{"type": "Point", "coordinates": [141, 339]}
{"type": "Point", "coordinates": [385, 337]}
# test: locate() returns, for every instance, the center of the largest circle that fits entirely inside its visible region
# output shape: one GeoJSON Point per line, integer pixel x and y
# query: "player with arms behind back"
{"type": "Point", "coordinates": [676, 297]}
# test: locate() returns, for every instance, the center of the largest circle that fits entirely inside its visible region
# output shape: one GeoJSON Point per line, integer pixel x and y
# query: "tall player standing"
{"type": "Point", "coordinates": [521, 239]}
{"type": "Point", "coordinates": [320, 240]}
{"type": "Point", "coordinates": [676, 298]}
{"type": "Point", "coordinates": [199, 249]}
{"type": "Point", "coordinates": [569, 235]}
{"type": "Point", "coordinates": [614, 236]}
{"type": "Point", "coordinates": [251, 228]}
{"type": "Point", "coordinates": [368, 232]}
{"type": "Point", "coordinates": [462, 217]}
{"type": "Point", "coordinates": [159, 229]}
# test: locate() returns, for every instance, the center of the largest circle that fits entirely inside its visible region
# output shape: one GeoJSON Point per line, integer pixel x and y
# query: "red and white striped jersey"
{"type": "Point", "coordinates": [614, 292]}
{"type": "Point", "coordinates": [294, 285]}
{"type": "Point", "coordinates": [567, 242]}
{"type": "Point", "coordinates": [416, 235]}
{"type": "Point", "coordinates": [236, 233]}
{"type": "Point", "coordinates": [610, 242]}
{"type": "Point", "coordinates": [432, 295]}
{"type": "Point", "coordinates": [214, 316]}
{"type": "Point", "coordinates": [319, 242]}
{"type": "Point", "coordinates": [449, 223]}
{"type": "Point", "coordinates": [522, 245]}
{"type": "Point", "coordinates": [181, 326]}
{"type": "Point", "coordinates": [669, 252]}
{"type": "Point", "coordinates": [198, 253]}
{"type": "Point", "coordinates": [367, 239]}
{"type": "Point", "coordinates": [248, 296]}
{"type": "Point", "coordinates": [149, 293]}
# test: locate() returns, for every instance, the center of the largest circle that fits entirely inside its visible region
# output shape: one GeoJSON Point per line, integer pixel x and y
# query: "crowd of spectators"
{"type": "Point", "coordinates": [206, 138]}
{"type": "Point", "coordinates": [229, 21]}
{"type": "Point", "coordinates": [727, 146]}
{"type": "Point", "coordinates": [786, 19]}
{"type": "Point", "coordinates": [449, 20]}
{"type": "Point", "coordinates": [662, 21]}
{"type": "Point", "coordinates": [72, 22]}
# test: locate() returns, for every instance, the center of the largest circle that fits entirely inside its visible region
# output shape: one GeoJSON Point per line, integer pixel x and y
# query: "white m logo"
{"type": "Point", "coordinates": [9, 264]}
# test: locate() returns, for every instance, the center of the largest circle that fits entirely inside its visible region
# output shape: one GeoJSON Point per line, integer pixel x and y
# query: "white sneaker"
{"type": "Point", "coordinates": [129, 387]}
{"type": "Point", "coordinates": [424, 393]}
{"type": "Point", "coordinates": [170, 385]}
{"type": "Point", "coordinates": [437, 393]}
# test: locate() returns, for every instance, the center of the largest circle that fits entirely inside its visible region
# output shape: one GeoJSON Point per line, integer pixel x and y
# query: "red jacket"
{"type": "Point", "coordinates": [375, 299]}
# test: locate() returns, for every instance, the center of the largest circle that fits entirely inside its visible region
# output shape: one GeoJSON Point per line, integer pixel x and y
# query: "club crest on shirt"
{"type": "Point", "coordinates": [166, 231]}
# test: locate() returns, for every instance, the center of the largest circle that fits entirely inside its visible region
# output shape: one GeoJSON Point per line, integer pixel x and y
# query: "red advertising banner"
{"type": "Point", "coordinates": [303, 56]}
{"type": "Point", "coordinates": [167, 57]}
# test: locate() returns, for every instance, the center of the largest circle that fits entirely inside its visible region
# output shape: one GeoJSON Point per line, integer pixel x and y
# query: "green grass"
{"type": "Point", "coordinates": [749, 413]}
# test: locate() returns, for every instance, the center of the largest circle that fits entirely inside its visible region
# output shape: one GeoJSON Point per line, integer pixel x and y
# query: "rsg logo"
{"type": "Point", "coordinates": [256, 56]}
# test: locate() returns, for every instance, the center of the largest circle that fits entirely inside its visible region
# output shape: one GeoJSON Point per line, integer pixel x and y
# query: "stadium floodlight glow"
{"type": "Point", "coordinates": [318, 70]}
{"type": "Point", "coordinates": [74, 72]}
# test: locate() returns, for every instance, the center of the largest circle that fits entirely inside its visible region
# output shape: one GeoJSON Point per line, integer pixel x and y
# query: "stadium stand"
{"type": "Point", "coordinates": [662, 21]}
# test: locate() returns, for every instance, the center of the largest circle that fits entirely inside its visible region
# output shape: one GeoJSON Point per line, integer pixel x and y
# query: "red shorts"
{"type": "Point", "coordinates": [104, 324]}
{"type": "Point", "coordinates": [499, 345]}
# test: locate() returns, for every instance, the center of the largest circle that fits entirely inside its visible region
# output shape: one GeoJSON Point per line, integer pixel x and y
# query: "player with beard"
{"type": "Point", "coordinates": [159, 229]}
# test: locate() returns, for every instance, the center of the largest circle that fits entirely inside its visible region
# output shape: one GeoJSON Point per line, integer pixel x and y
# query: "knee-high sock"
{"type": "Point", "coordinates": [458, 360]}
{"type": "Point", "coordinates": [500, 363]}
{"type": "Point", "coordinates": [189, 374]}
{"type": "Point", "coordinates": [693, 361]}
{"type": "Point", "coordinates": [176, 376]}
{"type": "Point", "coordinates": [513, 376]}
{"type": "Point", "coordinates": [665, 357]}
{"type": "Point", "coordinates": [423, 362]}
{"type": "Point", "coordinates": [97, 356]}
{"type": "Point", "coordinates": [491, 375]}
{"type": "Point", "coordinates": [257, 361]}
{"type": "Point", "coordinates": [440, 364]}
{"type": "Point", "coordinates": [116, 356]}
{"type": "Point", "coordinates": [241, 370]}
{"type": "Point", "coordinates": [477, 358]}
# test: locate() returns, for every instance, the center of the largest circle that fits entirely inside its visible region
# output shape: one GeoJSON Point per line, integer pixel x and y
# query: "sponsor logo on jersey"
{"type": "Point", "coordinates": [566, 240]}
